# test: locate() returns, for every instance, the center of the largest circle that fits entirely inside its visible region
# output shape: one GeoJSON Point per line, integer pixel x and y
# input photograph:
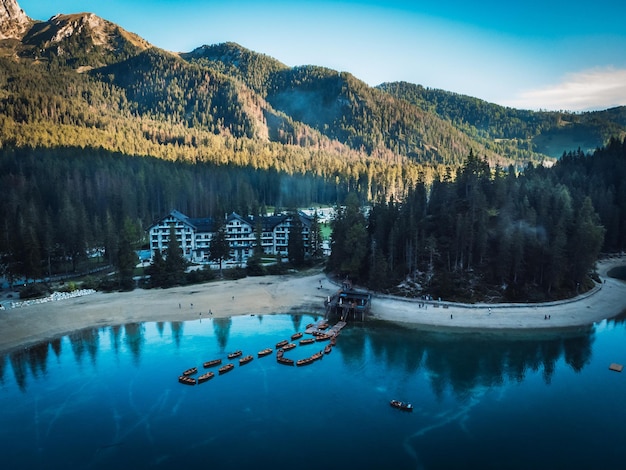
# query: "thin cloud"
{"type": "Point", "coordinates": [582, 91]}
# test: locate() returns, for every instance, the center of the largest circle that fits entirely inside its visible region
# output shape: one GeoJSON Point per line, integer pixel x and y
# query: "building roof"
{"type": "Point", "coordinates": [205, 224]}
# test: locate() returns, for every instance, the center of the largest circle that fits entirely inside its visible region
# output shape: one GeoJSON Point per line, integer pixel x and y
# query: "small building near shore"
{"type": "Point", "coordinates": [349, 304]}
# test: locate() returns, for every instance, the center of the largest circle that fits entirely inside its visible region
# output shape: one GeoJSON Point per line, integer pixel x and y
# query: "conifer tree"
{"type": "Point", "coordinates": [219, 249]}
{"type": "Point", "coordinates": [175, 263]}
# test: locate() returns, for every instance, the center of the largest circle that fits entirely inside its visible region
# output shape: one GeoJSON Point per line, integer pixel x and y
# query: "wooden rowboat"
{"type": "Point", "coordinates": [226, 368]}
{"type": "Point", "coordinates": [296, 336]}
{"type": "Point", "coordinates": [265, 352]}
{"type": "Point", "coordinates": [401, 405]}
{"type": "Point", "coordinates": [327, 349]}
{"type": "Point", "coordinates": [206, 376]}
{"type": "Point", "coordinates": [245, 359]}
{"type": "Point", "coordinates": [191, 371]}
{"type": "Point", "coordinates": [289, 346]}
{"type": "Point", "coordinates": [212, 363]}
{"type": "Point", "coordinates": [235, 354]}
{"type": "Point", "coordinates": [185, 379]}
{"type": "Point", "coordinates": [304, 362]}
{"type": "Point", "coordinates": [284, 360]}
{"type": "Point", "coordinates": [307, 341]}
{"type": "Point", "coordinates": [282, 343]}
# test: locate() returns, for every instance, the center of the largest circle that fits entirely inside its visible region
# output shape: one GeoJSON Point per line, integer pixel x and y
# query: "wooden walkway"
{"type": "Point", "coordinates": [332, 331]}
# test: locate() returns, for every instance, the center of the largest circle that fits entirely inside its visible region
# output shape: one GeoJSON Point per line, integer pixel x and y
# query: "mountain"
{"type": "Point", "coordinates": [82, 39]}
{"type": "Point", "coordinates": [78, 80]}
{"type": "Point", "coordinates": [13, 21]}
{"type": "Point", "coordinates": [513, 130]}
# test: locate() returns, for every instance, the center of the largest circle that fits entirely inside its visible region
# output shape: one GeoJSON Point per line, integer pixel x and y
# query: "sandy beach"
{"type": "Point", "coordinates": [20, 327]}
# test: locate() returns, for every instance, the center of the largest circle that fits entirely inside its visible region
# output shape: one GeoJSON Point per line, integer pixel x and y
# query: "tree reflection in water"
{"type": "Point", "coordinates": [463, 362]}
{"type": "Point", "coordinates": [221, 327]}
{"type": "Point", "coordinates": [460, 362]}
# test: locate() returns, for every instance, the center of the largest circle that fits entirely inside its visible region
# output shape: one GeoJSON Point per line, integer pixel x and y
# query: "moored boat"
{"type": "Point", "coordinates": [191, 371]}
{"type": "Point", "coordinates": [304, 362]}
{"type": "Point", "coordinates": [327, 349]}
{"type": "Point", "coordinates": [235, 354]}
{"type": "Point", "coordinates": [296, 335]}
{"type": "Point", "coordinates": [317, 355]}
{"type": "Point", "coordinates": [284, 360]}
{"type": "Point", "coordinates": [212, 363]}
{"type": "Point", "coordinates": [206, 376]}
{"type": "Point", "coordinates": [185, 379]}
{"type": "Point", "coordinates": [310, 325]}
{"type": "Point", "coordinates": [322, 337]}
{"type": "Point", "coordinates": [401, 405]}
{"type": "Point", "coordinates": [265, 352]}
{"type": "Point", "coordinates": [245, 359]}
{"type": "Point", "coordinates": [282, 343]}
{"type": "Point", "coordinates": [225, 368]}
{"type": "Point", "coordinates": [289, 346]}
{"type": "Point", "coordinates": [307, 341]}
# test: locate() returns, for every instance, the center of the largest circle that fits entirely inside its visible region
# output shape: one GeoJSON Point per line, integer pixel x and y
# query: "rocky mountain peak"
{"type": "Point", "coordinates": [68, 25]}
{"type": "Point", "coordinates": [13, 21]}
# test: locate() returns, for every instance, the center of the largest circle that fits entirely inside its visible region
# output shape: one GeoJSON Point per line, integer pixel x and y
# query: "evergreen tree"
{"type": "Point", "coordinates": [175, 263]}
{"type": "Point", "coordinates": [586, 242]}
{"type": "Point", "coordinates": [126, 255]}
{"type": "Point", "coordinates": [219, 249]}
{"type": "Point", "coordinates": [157, 270]}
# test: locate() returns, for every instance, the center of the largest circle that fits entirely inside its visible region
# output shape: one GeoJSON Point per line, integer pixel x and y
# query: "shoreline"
{"type": "Point", "coordinates": [25, 326]}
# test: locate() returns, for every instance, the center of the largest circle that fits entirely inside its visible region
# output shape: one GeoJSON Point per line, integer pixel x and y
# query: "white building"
{"type": "Point", "coordinates": [194, 235]}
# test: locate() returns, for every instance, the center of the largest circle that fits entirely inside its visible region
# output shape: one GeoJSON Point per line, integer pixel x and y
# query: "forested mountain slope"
{"type": "Point", "coordinates": [515, 131]}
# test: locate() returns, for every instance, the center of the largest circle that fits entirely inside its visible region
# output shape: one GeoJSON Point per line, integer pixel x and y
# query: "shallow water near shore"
{"type": "Point", "coordinates": [109, 398]}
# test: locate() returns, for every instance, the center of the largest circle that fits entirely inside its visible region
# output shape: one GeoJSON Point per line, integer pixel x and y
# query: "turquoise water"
{"type": "Point", "coordinates": [109, 398]}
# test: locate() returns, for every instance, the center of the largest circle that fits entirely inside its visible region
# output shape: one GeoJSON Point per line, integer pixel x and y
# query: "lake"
{"type": "Point", "coordinates": [109, 398]}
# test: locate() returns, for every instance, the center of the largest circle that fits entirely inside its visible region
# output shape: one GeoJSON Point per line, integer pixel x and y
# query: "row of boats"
{"type": "Point", "coordinates": [187, 378]}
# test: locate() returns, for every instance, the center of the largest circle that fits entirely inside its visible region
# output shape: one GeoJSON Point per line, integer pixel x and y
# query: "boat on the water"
{"type": "Point", "coordinates": [206, 376]}
{"type": "Point", "coordinates": [191, 371]}
{"type": "Point", "coordinates": [227, 367]}
{"type": "Point", "coordinates": [289, 346]}
{"type": "Point", "coordinates": [245, 359]}
{"type": "Point", "coordinates": [296, 336]}
{"type": "Point", "coordinates": [401, 405]}
{"type": "Point", "coordinates": [327, 349]}
{"type": "Point", "coordinates": [284, 360]}
{"type": "Point", "coordinates": [185, 379]}
{"type": "Point", "coordinates": [282, 343]}
{"type": "Point", "coordinates": [265, 352]}
{"type": "Point", "coordinates": [235, 354]}
{"type": "Point", "coordinates": [212, 363]}
{"type": "Point", "coordinates": [306, 341]}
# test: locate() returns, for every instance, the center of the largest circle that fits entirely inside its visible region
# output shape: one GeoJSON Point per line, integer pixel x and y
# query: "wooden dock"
{"type": "Point", "coordinates": [333, 331]}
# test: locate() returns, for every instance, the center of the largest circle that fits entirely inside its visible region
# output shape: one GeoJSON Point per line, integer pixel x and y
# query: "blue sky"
{"type": "Point", "coordinates": [556, 55]}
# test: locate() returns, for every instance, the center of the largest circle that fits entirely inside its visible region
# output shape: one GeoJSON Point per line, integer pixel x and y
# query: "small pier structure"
{"type": "Point", "coordinates": [321, 328]}
{"type": "Point", "coordinates": [348, 304]}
